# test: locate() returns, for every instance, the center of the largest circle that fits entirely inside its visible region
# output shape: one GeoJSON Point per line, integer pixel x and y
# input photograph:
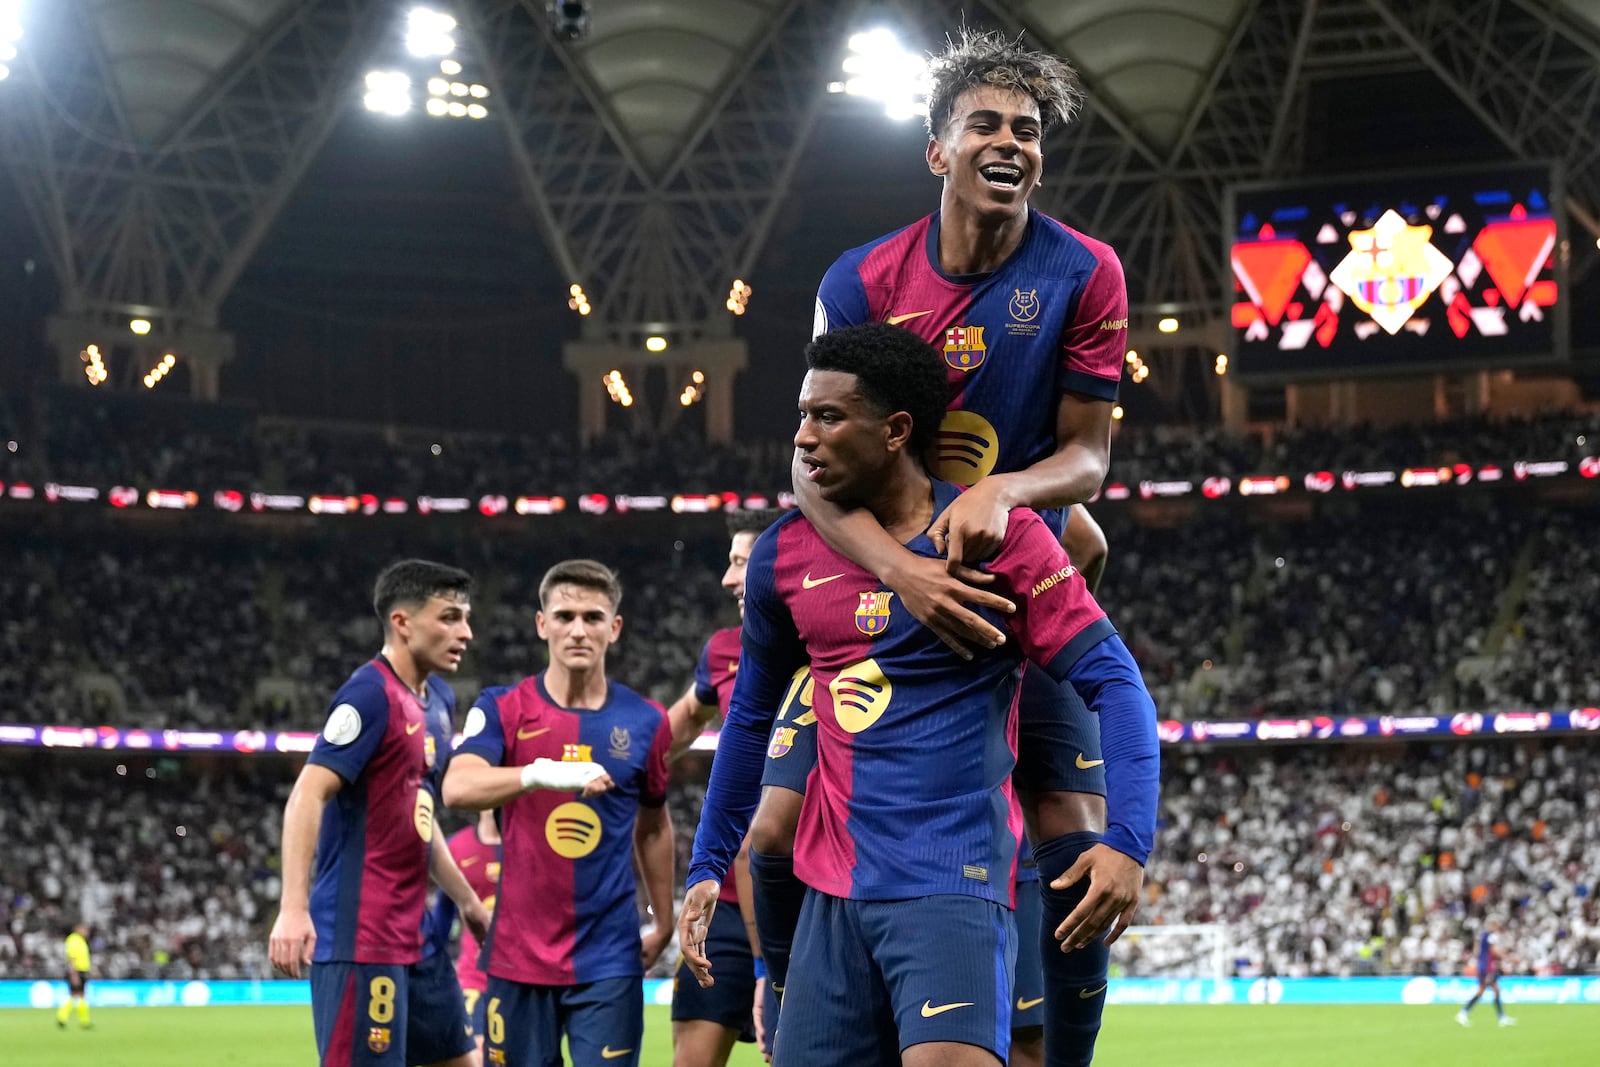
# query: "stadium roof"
{"type": "Point", "coordinates": [160, 145]}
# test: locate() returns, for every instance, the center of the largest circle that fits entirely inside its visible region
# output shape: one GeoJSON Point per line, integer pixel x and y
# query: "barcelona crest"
{"type": "Point", "coordinates": [782, 742]}
{"type": "Point", "coordinates": [378, 1038]}
{"type": "Point", "coordinates": [964, 348]}
{"type": "Point", "coordinates": [872, 613]}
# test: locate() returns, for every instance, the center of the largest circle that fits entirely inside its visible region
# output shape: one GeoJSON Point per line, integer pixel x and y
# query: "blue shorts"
{"type": "Point", "coordinates": [867, 981]}
{"type": "Point", "coordinates": [369, 1014]}
{"type": "Point", "coordinates": [1058, 738]}
{"type": "Point", "coordinates": [603, 1022]}
{"type": "Point", "coordinates": [1027, 986]}
{"type": "Point", "coordinates": [477, 1005]}
{"type": "Point", "coordinates": [733, 966]}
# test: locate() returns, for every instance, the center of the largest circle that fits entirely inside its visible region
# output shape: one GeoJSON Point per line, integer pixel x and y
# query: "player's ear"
{"type": "Point", "coordinates": [538, 622]}
{"type": "Point", "coordinates": [937, 162]}
{"type": "Point", "coordinates": [616, 627]}
{"type": "Point", "coordinates": [897, 431]}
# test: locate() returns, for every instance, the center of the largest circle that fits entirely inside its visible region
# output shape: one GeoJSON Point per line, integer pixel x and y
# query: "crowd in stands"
{"type": "Point", "coordinates": [1367, 613]}
{"type": "Point", "coordinates": [66, 437]}
{"type": "Point", "coordinates": [1357, 858]}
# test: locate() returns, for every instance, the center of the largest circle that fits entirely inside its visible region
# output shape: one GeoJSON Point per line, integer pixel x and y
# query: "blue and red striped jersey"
{"type": "Point", "coordinates": [565, 913]}
{"type": "Point", "coordinates": [1052, 319]}
{"type": "Point", "coordinates": [480, 864]}
{"type": "Point", "coordinates": [370, 880]}
{"type": "Point", "coordinates": [714, 673]}
{"type": "Point", "coordinates": [911, 795]}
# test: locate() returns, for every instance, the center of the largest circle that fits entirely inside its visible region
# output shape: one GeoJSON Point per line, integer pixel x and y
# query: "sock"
{"type": "Point", "coordinates": [1071, 1019]}
{"type": "Point", "coordinates": [64, 1011]}
{"type": "Point", "coordinates": [779, 895]}
{"type": "Point", "coordinates": [1472, 1003]}
{"type": "Point", "coordinates": [1499, 1009]}
{"type": "Point", "coordinates": [83, 1011]}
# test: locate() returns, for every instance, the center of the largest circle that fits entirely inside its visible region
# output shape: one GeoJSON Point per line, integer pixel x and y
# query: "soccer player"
{"type": "Point", "coordinates": [76, 947]}
{"type": "Point", "coordinates": [910, 829]}
{"type": "Point", "coordinates": [476, 850]}
{"type": "Point", "coordinates": [358, 920]}
{"type": "Point", "coordinates": [564, 955]}
{"type": "Point", "coordinates": [1488, 976]}
{"type": "Point", "coordinates": [1030, 317]}
{"type": "Point", "coordinates": [706, 1023]}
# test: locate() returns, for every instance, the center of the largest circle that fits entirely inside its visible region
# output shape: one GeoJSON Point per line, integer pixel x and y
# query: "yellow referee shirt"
{"type": "Point", "coordinates": [77, 947]}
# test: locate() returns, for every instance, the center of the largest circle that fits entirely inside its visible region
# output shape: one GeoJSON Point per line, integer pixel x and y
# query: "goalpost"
{"type": "Point", "coordinates": [1185, 950]}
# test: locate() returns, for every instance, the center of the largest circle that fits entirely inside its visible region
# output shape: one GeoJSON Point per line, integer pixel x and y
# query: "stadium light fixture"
{"type": "Point", "coordinates": [699, 378]}
{"type": "Point", "coordinates": [738, 297]}
{"type": "Point", "coordinates": [1168, 325]}
{"type": "Point", "coordinates": [436, 107]}
{"type": "Point", "coordinates": [655, 343]}
{"type": "Point", "coordinates": [428, 33]}
{"type": "Point", "coordinates": [388, 92]}
{"type": "Point", "coordinates": [477, 111]}
{"type": "Point", "coordinates": [11, 22]}
{"type": "Point", "coordinates": [450, 67]}
{"type": "Point", "coordinates": [160, 371]}
{"type": "Point", "coordinates": [94, 366]}
{"type": "Point", "coordinates": [1221, 365]}
{"type": "Point", "coordinates": [878, 67]}
{"type": "Point", "coordinates": [617, 389]}
{"type": "Point", "coordinates": [1116, 413]}
{"type": "Point", "coordinates": [140, 326]}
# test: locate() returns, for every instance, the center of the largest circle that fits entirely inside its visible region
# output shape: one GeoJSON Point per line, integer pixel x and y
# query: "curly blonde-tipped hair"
{"type": "Point", "coordinates": [991, 58]}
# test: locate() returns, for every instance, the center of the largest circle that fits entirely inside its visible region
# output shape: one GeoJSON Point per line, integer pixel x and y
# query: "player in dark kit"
{"type": "Point", "coordinates": [909, 833]}
{"type": "Point", "coordinates": [564, 954]}
{"type": "Point", "coordinates": [1030, 318]}
{"type": "Point", "coordinates": [1488, 976]}
{"type": "Point", "coordinates": [706, 1023]}
{"type": "Point", "coordinates": [360, 922]}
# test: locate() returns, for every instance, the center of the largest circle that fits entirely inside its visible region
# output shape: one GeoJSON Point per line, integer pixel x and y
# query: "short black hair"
{"type": "Point", "coordinates": [754, 521]}
{"type": "Point", "coordinates": [895, 371]}
{"type": "Point", "coordinates": [585, 574]}
{"type": "Point", "coordinates": [412, 581]}
{"type": "Point", "coordinates": [976, 58]}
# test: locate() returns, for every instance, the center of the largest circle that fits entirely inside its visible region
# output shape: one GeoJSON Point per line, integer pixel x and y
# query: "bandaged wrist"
{"type": "Point", "coordinates": [558, 775]}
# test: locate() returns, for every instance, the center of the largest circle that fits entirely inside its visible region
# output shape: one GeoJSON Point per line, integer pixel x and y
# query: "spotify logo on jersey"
{"type": "Point", "coordinates": [573, 830]}
{"type": "Point", "coordinates": [966, 447]}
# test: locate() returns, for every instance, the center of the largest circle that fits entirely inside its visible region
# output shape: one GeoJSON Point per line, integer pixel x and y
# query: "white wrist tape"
{"type": "Point", "coordinates": [561, 776]}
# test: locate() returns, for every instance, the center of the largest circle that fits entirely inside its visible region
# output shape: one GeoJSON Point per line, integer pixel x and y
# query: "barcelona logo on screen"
{"type": "Point", "coordinates": [964, 348]}
{"type": "Point", "coordinates": [1425, 264]}
{"type": "Point", "coordinates": [872, 613]}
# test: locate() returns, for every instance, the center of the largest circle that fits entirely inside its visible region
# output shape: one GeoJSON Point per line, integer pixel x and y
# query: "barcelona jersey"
{"type": "Point", "coordinates": [565, 913]}
{"type": "Point", "coordinates": [370, 880]}
{"type": "Point", "coordinates": [1052, 319]}
{"type": "Point", "coordinates": [480, 865]}
{"type": "Point", "coordinates": [714, 673]}
{"type": "Point", "coordinates": [911, 795]}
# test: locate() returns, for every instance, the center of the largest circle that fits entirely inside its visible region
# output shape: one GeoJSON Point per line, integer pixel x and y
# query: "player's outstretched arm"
{"type": "Point", "coordinates": [936, 595]}
{"type": "Point", "coordinates": [688, 719]}
{"type": "Point", "coordinates": [448, 877]}
{"type": "Point", "coordinates": [472, 784]}
{"type": "Point", "coordinates": [652, 848]}
{"type": "Point", "coordinates": [293, 938]}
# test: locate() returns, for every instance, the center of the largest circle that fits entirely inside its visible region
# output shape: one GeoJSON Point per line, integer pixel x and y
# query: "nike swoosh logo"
{"type": "Point", "coordinates": [413, 727]}
{"type": "Point", "coordinates": [1085, 764]}
{"type": "Point", "coordinates": [929, 1011]}
{"type": "Point", "coordinates": [529, 735]}
{"type": "Point", "coordinates": [809, 582]}
{"type": "Point", "coordinates": [609, 1053]}
{"type": "Point", "coordinates": [1085, 994]}
{"type": "Point", "coordinates": [895, 320]}
{"type": "Point", "coordinates": [1024, 1005]}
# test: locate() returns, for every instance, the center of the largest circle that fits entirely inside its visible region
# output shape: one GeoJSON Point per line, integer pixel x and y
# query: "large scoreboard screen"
{"type": "Point", "coordinates": [1397, 275]}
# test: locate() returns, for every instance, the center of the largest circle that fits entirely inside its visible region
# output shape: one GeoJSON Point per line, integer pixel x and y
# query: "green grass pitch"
{"type": "Point", "coordinates": [1231, 1036]}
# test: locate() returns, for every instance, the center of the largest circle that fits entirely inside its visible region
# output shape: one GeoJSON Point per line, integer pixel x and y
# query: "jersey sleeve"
{"type": "Point", "coordinates": [1057, 619]}
{"type": "Point", "coordinates": [841, 298]}
{"type": "Point", "coordinates": [653, 793]}
{"type": "Point", "coordinates": [771, 652]}
{"type": "Point", "coordinates": [1094, 342]}
{"type": "Point", "coordinates": [1062, 628]}
{"type": "Point", "coordinates": [704, 691]}
{"type": "Point", "coordinates": [356, 723]}
{"type": "Point", "coordinates": [484, 735]}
